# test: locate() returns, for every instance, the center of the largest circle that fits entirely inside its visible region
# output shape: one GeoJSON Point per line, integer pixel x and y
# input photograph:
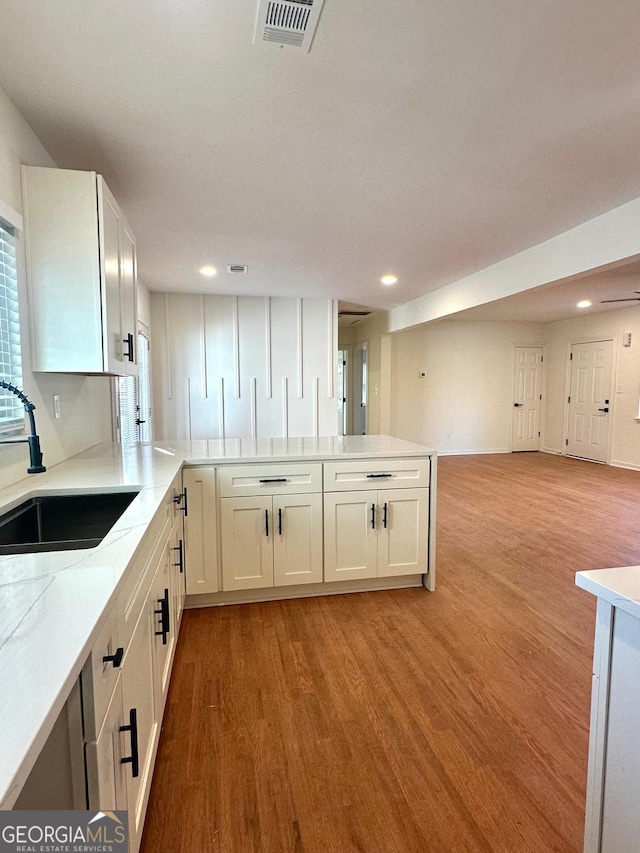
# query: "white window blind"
{"type": "Point", "coordinates": [133, 399]}
{"type": "Point", "coordinates": [11, 410]}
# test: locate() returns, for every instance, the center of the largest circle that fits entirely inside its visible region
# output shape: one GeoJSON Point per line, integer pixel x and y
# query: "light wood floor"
{"type": "Point", "coordinates": [407, 721]}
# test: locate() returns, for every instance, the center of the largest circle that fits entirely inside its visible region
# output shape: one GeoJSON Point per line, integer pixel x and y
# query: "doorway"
{"type": "Point", "coordinates": [527, 399]}
{"type": "Point", "coordinates": [359, 395]}
{"type": "Point", "coordinates": [589, 402]}
{"type": "Point", "coordinates": [343, 391]}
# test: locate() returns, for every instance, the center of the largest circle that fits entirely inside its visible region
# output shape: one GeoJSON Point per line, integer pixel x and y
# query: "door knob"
{"type": "Point", "coordinates": [606, 409]}
{"type": "Point", "coordinates": [518, 405]}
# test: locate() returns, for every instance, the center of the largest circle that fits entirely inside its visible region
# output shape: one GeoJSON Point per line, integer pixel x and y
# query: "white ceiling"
{"type": "Point", "coordinates": [425, 139]}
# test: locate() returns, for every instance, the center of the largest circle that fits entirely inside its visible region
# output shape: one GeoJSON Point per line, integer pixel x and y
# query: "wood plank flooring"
{"type": "Point", "coordinates": [407, 721]}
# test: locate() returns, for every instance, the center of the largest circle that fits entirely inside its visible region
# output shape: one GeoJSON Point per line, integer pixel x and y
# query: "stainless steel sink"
{"type": "Point", "coordinates": [61, 522]}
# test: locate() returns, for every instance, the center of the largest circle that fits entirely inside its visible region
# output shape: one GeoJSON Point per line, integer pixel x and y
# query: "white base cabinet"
{"type": "Point", "coordinates": [126, 678]}
{"type": "Point", "coordinates": [375, 534]}
{"type": "Point", "coordinates": [294, 524]}
{"type": "Point", "coordinates": [271, 541]}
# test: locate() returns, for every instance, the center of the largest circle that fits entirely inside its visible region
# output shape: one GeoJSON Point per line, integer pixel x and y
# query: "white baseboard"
{"type": "Point", "coordinates": [551, 450]}
{"type": "Point", "coordinates": [472, 452]}
{"type": "Point", "coordinates": [627, 465]}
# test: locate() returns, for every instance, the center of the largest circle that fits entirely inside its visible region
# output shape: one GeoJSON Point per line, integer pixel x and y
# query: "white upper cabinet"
{"type": "Point", "coordinates": [81, 265]}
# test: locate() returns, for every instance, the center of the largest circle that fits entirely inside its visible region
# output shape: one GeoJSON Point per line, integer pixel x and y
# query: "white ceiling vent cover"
{"type": "Point", "coordinates": [238, 269]}
{"type": "Point", "coordinates": [289, 23]}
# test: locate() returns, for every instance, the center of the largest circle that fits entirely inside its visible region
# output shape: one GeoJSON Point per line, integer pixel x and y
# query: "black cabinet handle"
{"type": "Point", "coordinates": [134, 758]}
{"type": "Point", "coordinates": [179, 548]}
{"type": "Point", "coordinates": [181, 501]}
{"type": "Point", "coordinates": [373, 516]}
{"type": "Point", "coordinates": [115, 658]}
{"type": "Point", "coordinates": [384, 515]}
{"type": "Point", "coordinates": [274, 480]}
{"type": "Point", "coordinates": [279, 521]}
{"type": "Point", "coordinates": [163, 613]}
{"type": "Point", "coordinates": [266, 521]}
{"type": "Point", "coordinates": [129, 342]}
{"type": "Point", "coordinates": [377, 476]}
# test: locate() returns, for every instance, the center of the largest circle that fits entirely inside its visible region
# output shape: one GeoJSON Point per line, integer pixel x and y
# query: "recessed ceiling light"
{"type": "Point", "coordinates": [584, 303]}
{"type": "Point", "coordinates": [208, 271]}
{"type": "Point", "coordinates": [389, 279]}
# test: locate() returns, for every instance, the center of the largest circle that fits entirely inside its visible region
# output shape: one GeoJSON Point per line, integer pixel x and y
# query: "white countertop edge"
{"type": "Point", "coordinates": [619, 586]}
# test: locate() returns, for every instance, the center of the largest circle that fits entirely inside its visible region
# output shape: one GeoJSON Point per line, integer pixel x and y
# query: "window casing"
{"type": "Point", "coordinates": [11, 409]}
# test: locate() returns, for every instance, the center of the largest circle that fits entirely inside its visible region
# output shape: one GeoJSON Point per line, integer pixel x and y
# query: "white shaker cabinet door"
{"type": "Point", "coordinates": [200, 531]}
{"type": "Point", "coordinates": [402, 531]}
{"type": "Point", "coordinates": [350, 537]}
{"type": "Point", "coordinates": [247, 529]}
{"type": "Point", "coordinates": [106, 775]}
{"type": "Point", "coordinates": [138, 702]}
{"type": "Point", "coordinates": [297, 541]}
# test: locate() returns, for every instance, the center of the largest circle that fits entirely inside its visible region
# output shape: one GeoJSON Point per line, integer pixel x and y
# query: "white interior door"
{"type": "Point", "coordinates": [527, 398]}
{"type": "Point", "coordinates": [359, 395]}
{"type": "Point", "coordinates": [589, 400]}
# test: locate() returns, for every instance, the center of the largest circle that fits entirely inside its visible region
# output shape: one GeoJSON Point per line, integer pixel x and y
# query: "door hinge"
{"type": "Point", "coordinates": [541, 359]}
{"type": "Point", "coordinates": [566, 441]}
{"type": "Point", "coordinates": [568, 399]}
{"type": "Point", "coordinates": [570, 356]}
{"type": "Point", "coordinates": [541, 396]}
{"type": "Point", "coordinates": [538, 435]}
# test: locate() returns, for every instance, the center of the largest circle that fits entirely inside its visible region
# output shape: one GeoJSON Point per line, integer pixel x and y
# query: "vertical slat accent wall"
{"type": "Point", "coordinates": [243, 366]}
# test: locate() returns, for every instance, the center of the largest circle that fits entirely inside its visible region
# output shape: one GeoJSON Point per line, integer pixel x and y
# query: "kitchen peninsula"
{"type": "Point", "coordinates": [98, 611]}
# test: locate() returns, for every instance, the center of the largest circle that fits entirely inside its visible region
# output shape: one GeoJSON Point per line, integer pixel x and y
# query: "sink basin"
{"type": "Point", "coordinates": [61, 522]}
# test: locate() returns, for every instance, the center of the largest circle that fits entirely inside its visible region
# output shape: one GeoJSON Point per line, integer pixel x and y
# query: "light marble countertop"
{"type": "Point", "coordinates": [51, 603]}
{"type": "Point", "coordinates": [620, 586]}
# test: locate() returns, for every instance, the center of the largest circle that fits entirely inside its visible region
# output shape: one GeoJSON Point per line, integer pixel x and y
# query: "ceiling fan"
{"type": "Point", "coordinates": [628, 299]}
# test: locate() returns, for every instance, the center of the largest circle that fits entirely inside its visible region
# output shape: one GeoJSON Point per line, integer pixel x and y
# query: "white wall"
{"type": "Point", "coordinates": [236, 367]}
{"type": "Point", "coordinates": [85, 401]}
{"type": "Point", "coordinates": [625, 443]}
{"type": "Point", "coordinates": [465, 402]}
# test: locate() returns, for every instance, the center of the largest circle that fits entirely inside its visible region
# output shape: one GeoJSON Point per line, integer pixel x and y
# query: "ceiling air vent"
{"type": "Point", "coordinates": [237, 268]}
{"type": "Point", "coordinates": [289, 23]}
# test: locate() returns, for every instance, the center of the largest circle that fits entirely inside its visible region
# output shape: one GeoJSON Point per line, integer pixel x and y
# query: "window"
{"type": "Point", "coordinates": [133, 399]}
{"type": "Point", "coordinates": [11, 409]}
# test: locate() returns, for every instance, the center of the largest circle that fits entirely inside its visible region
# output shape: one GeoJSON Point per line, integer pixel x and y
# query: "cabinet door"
{"type": "Point", "coordinates": [403, 516]}
{"type": "Point", "coordinates": [350, 540]}
{"type": "Point", "coordinates": [176, 561]}
{"type": "Point", "coordinates": [247, 542]}
{"type": "Point", "coordinates": [128, 321]}
{"type": "Point", "coordinates": [164, 626]}
{"type": "Point", "coordinates": [297, 542]}
{"type": "Point", "coordinates": [201, 544]}
{"type": "Point", "coordinates": [106, 776]}
{"type": "Point", "coordinates": [111, 272]}
{"type": "Point", "coordinates": [138, 694]}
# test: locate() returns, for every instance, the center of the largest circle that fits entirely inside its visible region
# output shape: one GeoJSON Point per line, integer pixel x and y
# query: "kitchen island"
{"type": "Point", "coordinates": [613, 782]}
{"type": "Point", "coordinates": [54, 605]}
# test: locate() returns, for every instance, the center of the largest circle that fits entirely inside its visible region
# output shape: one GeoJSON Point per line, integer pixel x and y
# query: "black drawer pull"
{"type": "Point", "coordinates": [179, 549]}
{"type": "Point", "coordinates": [163, 613]}
{"type": "Point", "coordinates": [378, 476]}
{"type": "Point", "coordinates": [134, 758]}
{"type": "Point", "coordinates": [274, 480]}
{"type": "Point", "coordinates": [115, 658]}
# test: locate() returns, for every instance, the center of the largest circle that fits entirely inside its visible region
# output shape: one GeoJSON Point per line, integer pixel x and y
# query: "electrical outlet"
{"type": "Point", "coordinates": [56, 405]}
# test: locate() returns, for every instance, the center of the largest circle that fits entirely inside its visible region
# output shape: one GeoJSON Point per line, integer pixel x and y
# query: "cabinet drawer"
{"type": "Point", "coordinates": [270, 479]}
{"type": "Point", "coordinates": [376, 474]}
{"type": "Point", "coordinates": [99, 677]}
